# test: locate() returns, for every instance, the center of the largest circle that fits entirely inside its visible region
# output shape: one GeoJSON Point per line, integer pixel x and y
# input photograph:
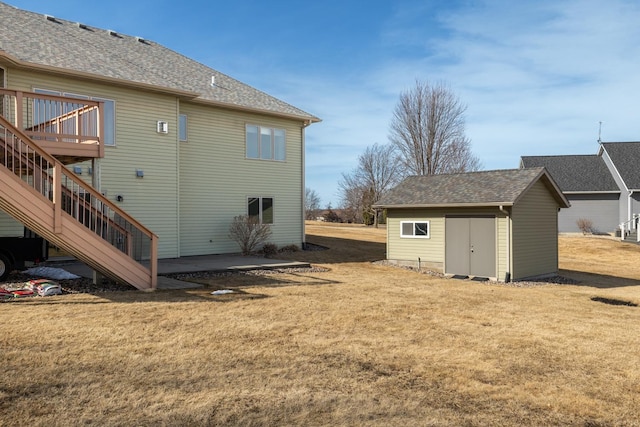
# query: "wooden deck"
{"type": "Point", "coordinates": [37, 190]}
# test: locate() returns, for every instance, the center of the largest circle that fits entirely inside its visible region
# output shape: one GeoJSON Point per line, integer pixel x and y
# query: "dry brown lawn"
{"type": "Point", "coordinates": [360, 344]}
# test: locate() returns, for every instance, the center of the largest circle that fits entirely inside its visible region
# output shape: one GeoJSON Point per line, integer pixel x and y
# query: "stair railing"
{"type": "Point", "coordinates": [72, 195]}
{"type": "Point", "coordinates": [627, 227]}
{"type": "Point", "coordinates": [54, 119]}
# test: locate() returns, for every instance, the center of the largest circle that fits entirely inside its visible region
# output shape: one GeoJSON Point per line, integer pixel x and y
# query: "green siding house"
{"type": "Point", "coordinates": [501, 225]}
{"type": "Point", "coordinates": [185, 148]}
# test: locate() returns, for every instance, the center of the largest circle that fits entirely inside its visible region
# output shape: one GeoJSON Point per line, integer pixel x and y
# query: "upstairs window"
{"type": "Point", "coordinates": [182, 127]}
{"type": "Point", "coordinates": [265, 143]}
{"type": "Point", "coordinates": [261, 208]}
{"type": "Point", "coordinates": [414, 229]}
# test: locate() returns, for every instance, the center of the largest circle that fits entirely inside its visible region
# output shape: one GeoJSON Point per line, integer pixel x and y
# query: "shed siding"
{"type": "Point", "coordinates": [407, 250]}
{"type": "Point", "coordinates": [432, 251]}
{"type": "Point", "coordinates": [601, 209]}
{"type": "Point", "coordinates": [535, 234]}
{"type": "Point", "coordinates": [217, 179]}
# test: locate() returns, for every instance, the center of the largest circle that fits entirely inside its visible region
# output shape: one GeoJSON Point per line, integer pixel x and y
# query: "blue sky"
{"type": "Point", "coordinates": [537, 76]}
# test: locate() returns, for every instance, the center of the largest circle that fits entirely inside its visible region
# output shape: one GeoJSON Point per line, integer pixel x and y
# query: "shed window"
{"type": "Point", "coordinates": [414, 229]}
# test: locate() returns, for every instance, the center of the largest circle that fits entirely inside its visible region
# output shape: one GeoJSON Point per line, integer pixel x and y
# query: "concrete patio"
{"type": "Point", "coordinates": [192, 264]}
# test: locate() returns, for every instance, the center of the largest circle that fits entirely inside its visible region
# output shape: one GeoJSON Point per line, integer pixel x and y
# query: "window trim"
{"type": "Point", "coordinates": [273, 143]}
{"type": "Point", "coordinates": [261, 209]}
{"type": "Point", "coordinates": [414, 235]}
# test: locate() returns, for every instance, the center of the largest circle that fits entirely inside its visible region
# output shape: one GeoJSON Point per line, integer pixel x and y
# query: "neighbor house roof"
{"type": "Point", "coordinates": [486, 188]}
{"type": "Point", "coordinates": [626, 159]}
{"type": "Point", "coordinates": [576, 173]}
{"type": "Point", "coordinates": [33, 40]}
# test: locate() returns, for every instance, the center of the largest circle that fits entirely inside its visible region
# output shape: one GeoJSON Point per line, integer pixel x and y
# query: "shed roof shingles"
{"type": "Point", "coordinates": [490, 188]}
{"type": "Point", "coordinates": [30, 38]}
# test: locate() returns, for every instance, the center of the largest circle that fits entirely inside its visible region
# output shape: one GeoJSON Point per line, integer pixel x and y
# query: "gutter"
{"type": "Point", "coordinates": [184, 94]}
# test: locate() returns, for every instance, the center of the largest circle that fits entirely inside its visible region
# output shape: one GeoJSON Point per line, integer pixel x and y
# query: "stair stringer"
{"type": "Point", "coordinates": [36, 212]}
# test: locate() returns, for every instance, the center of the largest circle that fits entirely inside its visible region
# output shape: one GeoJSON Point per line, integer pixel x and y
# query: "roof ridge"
{"type": "Point", "coordinates": [129, 59]}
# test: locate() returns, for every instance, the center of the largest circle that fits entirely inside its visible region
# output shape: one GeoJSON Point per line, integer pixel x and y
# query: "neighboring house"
{"type": "Point", "coordinates": [603, 188]}
{"type": "Point", "coordinates": [622, 159]}
{"type": "Point", "coordinates": [587, 183]}
{"type": "Point", "coordinates": [501, 225]}
{"type": "Point", "coordinates": [182, 149]}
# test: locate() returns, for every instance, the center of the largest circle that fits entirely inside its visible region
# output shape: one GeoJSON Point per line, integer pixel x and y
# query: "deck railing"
{"type": "Point", "coordinates": [54, 118]}
{"type": "Point", "coordinates": [70, 194]}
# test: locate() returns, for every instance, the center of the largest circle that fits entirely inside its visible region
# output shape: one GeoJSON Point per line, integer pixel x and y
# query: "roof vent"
{"type": "Point", "coordinates": [143, 41]}
{"type": "Point", "coordinates": [51, 18]}
{"type": "Point", "coordinates": [84, 27]}
{"type": "Point", "coordinates": [114, 34]}
{"type": "Point", "coordinates": [213, 81]}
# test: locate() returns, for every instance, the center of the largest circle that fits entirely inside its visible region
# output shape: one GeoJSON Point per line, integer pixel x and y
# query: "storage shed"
{"type": "Point", "coordinates": [501, 225]}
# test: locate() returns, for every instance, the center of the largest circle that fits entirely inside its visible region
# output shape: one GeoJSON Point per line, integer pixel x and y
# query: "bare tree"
{"type": "Point", "coordinates": [248, 232]}
{"type": "Point", "coordinates": [377, 172]}
{"type": "Point", "coordinates": [428, 129]}
{"type": "Point", "coordinates": [311, 203]}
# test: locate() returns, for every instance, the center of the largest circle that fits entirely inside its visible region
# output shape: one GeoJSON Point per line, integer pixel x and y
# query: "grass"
{"type": "Point", "coordinates": [360, 344]}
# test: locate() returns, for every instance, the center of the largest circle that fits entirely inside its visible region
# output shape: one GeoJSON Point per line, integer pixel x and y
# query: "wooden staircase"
{"type": "Point", "coordinates": [37, 190]}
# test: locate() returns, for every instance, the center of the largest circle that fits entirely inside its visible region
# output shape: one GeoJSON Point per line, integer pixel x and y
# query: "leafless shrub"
{"type": "Point", "coordinates": [269, 249]}
{"type": "Point", "coordinates": [248, 233]}
{"type": "Point", "coordinates": [289, 248]}
{"type": "Point", "coordinates": [585, 225]}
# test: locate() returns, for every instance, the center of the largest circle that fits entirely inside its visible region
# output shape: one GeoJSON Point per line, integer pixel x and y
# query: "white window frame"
{"type": "Point", "coordinates": [413, 229]}
{"type": "Point", "coordinates": [261, 208]}
{"type": "Point", "coordinates": [277, 150]}
{"type": "Point", "coordinates": [109, 136]}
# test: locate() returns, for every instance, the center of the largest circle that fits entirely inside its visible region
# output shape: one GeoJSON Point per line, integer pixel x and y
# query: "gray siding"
{"type": "Point", "coordinates": [601, 209]}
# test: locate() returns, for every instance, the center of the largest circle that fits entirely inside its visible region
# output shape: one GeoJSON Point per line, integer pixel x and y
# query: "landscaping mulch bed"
{"type": "Point", "coordinates": [553, 280]}
{"type": "Point", "coordinates": [18, 280]}
{"type": "Point", "coordinates": [258, 272]}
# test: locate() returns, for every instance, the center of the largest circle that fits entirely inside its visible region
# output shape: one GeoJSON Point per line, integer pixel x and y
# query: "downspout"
{"type": "Point", "coordinates": [178, 231]}
{"type": "Point", "coordinates": [507, 275]}
{"type": "Point", "coordinates": [630, 219]}
{"type": "Point", "coordinates": [303, 182]}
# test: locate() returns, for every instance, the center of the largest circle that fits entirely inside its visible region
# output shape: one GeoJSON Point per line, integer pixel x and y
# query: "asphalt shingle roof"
{"type": "Point", "coordinates": [576, 173]}
{"type": "Point", "coordinates": [31, 38]}
{"type": "Point", "coordinates": [488, 188]}
{"type": "Point", "coordinates": [626, 158]}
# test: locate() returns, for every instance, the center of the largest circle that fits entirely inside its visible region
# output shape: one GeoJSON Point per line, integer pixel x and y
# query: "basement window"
{"type": "Point", "coordinates": [261, 208]}
{"type": "Point", "coordinates": [414, 229]}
